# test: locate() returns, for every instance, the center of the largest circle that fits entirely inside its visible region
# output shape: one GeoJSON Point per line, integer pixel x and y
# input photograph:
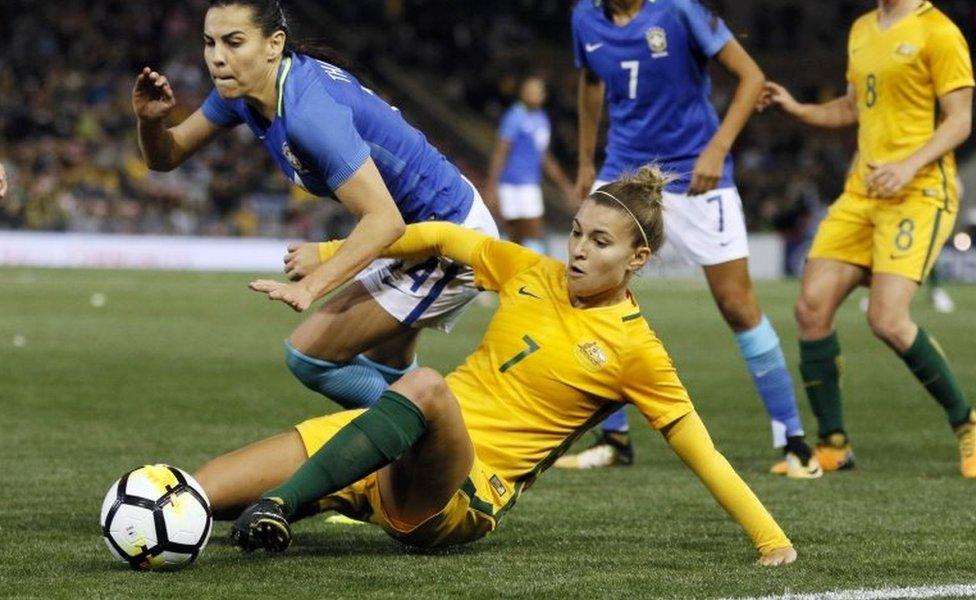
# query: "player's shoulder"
{"type": "Point", "coordinates": [934, 21]}
{"type": "Point", "coordinates": [308, 97]}
{"type": "Point", "coordinates": [587, 9]}
{"type": "Point", "coordinates": [864, 21]}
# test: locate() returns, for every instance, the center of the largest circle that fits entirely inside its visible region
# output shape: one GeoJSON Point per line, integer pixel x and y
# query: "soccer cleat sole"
{"type": "Point", "coordinates": [270, 535]}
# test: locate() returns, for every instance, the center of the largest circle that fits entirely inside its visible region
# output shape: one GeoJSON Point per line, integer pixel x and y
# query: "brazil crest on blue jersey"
{"type": "Point", "coordinates": [528, 132]}
{"type": "Point", "coordinates": [657, 85]}
{"type": "Point", "coordinates": [327, 125]}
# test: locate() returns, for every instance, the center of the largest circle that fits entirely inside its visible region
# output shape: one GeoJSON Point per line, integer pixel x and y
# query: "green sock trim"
{"type": "Point", "coordinates": [929, 365]}
{"type": "Point", "coordinates": [820, 370]}
{"type": "Point", "coordinates": [372, 440]}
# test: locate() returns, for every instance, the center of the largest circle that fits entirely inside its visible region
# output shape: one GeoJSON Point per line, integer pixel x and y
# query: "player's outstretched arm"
{"type": "Point", "coordinates": [165, 148]}
{"type": "Point", "coordinates": [433, 238]}
{"type": "Point", "coordinates": [839, 112]}
{"type": "Point", "coordinates": [690, 441]}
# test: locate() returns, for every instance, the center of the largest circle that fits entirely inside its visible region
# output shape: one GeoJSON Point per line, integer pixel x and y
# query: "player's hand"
{"type": "Point", "coordinates": [778, 557]}
{"type": "Point", "coordinates": [708, 170]}
{"type": "Point", "coordinates": [773, 94]}
{"type": "Point", "coordinates": [301, 260]}
{"type": "Point", "coordinates": [886, 180]}
{"type": "Point", "coordinates": [585, 177]}
{"type": "Point", "coordinates": [152, 96]}
{"type": "Point", "coordinates": [295, 295]}
{"type": "Point", "coordinates": [3, 182]}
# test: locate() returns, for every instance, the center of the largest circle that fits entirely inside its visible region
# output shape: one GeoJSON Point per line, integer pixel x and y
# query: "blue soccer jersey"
{"type": "Point", "coordinates": [657, 85]}
{"type": "Point", "coordinates": [528, 132]}
{"type": "Point", "coordinates": [327, 125]}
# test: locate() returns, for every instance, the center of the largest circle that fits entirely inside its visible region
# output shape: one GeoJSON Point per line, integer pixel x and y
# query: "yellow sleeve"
{"type": "Point", "coordinates": [650, 382]}
{"type": "Point", "coordinates": [948, 58]}
{"type": "Point", "coordinates": [690, 441]}
{"type": "Point", "coordinates": [493, 261]}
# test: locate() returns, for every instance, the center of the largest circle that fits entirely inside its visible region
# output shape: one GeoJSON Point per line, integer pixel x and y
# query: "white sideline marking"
{"type": "Point", "coordinates": [939, 591]}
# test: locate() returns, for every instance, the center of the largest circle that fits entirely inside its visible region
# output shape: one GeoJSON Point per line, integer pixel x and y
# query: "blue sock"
{"type": "Point", "coordinates": [616, 422]}
{"type": "Point", "coordinates": [390, 375]}
{"type": "Point", "coordinates": [357, 384]}
{"type": "Point", "coordinates": [763, 355]}
{"type": "Point", "coordinates": [536, 245]}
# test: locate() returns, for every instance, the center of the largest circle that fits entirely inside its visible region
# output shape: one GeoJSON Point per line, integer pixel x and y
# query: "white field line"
{"type": "Point", "coordinates": [938, 591]}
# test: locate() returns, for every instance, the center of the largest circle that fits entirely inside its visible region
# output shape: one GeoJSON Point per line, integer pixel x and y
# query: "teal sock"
{"type": "Point", "coordinates": [370, 441]}
{"type": "Point", "coordinates": [820, 369]}
{"type": "Point", "coordinates": [929, 365]}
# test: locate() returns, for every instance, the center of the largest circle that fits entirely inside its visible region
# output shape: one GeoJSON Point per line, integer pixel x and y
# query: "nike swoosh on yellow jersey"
{"type": "Point", "coordinates": [525, 292]}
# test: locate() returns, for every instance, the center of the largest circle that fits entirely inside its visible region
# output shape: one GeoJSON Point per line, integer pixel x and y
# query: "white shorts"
{"type": "Point", "coordinates": [520, 201]}
{"type": "Point", "coordinates": [429, 292]}
{"type": "Point", "coordinates": [707, 229]}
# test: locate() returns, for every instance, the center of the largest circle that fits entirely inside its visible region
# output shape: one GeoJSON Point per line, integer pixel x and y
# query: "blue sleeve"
{"type": "Point", "coordinates": [511, 123]}
{"type": "Point", "coordinates": [579, 53]}
{"type": "Point", "coordinates": [324, 136]}
{"type": "Point", "coordinates": [707, 29]}
{"type": "Point", "coordinates": [219, 111]}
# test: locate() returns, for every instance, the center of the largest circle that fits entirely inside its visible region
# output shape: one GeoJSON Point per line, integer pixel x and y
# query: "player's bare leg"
{"type": "Point", "coordinates": [890, 319]}
{"type": "Point", "coordinates": [826, 283]}
{"type": "Point", "coordinates": [239, 477]}
{"type": "Point", "coordinates": [421, 482]}
{"type": "Point", "coordinates": [759, 345]}
{"type": "Point", "coordinates": [350, 323]}
{"type": "Point", "coordinates": [731, 288]}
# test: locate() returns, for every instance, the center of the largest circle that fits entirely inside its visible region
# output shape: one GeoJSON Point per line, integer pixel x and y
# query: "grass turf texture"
{"type": "Point", "coordinates": [180, 367]}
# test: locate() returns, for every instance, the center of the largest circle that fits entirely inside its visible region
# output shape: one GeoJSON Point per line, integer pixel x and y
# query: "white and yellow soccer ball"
{"type": "Point", "coordinates": [156, 517]}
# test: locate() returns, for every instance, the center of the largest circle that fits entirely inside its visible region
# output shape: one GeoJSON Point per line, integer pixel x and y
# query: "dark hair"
{"type": "Point", "coordinates": [270, 16]}
{"type": "Point", "coordinates": [640, 196]}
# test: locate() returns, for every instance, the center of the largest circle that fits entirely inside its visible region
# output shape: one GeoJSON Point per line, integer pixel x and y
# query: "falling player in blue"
{"type": "Point", "coordinates": [337, 139]}
{"type": "Point", "coordinates": [521, 153]}
{"type": "Point", "coordinates": [648, 60]}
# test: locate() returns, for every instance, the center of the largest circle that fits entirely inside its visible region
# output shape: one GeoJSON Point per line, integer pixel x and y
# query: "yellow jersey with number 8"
{"type": "Point", "coordinates": [899, 74]}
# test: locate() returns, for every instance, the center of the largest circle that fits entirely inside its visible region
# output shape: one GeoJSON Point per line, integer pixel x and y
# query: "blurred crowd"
{"type": "Point", "coordinates": [67, 132]}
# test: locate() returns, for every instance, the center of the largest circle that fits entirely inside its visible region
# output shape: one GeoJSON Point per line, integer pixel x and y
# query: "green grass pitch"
{"type": "Point", "coordinates": [179, 367]}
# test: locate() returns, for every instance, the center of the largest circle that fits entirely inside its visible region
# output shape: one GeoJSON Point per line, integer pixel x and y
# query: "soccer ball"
{"type": "Point", "coordinates": [156, 517]}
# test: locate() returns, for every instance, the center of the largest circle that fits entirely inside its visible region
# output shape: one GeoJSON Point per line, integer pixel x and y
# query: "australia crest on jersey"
{"type": "Point", "coordinates": [292, 159]}
{"type": "Point", "coordinates": [905, 51]}
{"type": "Point", "coordinates": [657, 41]}
{"type": "Point", "coordinates": [591, 355]}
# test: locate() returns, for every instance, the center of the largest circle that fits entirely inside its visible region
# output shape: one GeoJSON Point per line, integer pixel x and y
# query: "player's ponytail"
{"type": "Point", "coordinates": [641, 196]}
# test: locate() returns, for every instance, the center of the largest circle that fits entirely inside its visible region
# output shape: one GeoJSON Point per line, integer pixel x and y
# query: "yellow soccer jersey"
{"type": "Point", "coordinates": [899, 75]}
{"type": "Point", "coordinates": [546, 371]}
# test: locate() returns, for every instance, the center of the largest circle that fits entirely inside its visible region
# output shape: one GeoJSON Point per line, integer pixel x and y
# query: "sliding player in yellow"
{"type": "Point", "coordinates": [438, 461]}
{"type": "Point", "coordinates": [910, 92]}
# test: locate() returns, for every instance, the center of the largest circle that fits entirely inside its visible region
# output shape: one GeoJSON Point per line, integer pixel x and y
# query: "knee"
{"type": "Point", "coordinates": [811, 313]}
{"type": "Point", "coordinates": [887, 325]}
{"type": "Point", "coordinates": [426, 388]}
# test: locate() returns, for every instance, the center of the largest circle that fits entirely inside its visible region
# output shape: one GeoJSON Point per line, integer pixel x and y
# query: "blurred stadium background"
{"type": "Point", "coordinates": [67, 134]}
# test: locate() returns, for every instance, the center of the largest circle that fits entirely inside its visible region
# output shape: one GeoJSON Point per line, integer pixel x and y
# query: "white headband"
{"type": "Point", "coordinates": [629, 212]}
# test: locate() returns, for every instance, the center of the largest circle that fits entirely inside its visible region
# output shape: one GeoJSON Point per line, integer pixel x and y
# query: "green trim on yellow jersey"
{"type": "Point", "coordinates": [636, 315]}
{"type": "Point", "coordinates": [482, 506]}
{"type": "Point", "coordinates": [928, 253]}
{"type": "Point", "coordinates": [602, 413]}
